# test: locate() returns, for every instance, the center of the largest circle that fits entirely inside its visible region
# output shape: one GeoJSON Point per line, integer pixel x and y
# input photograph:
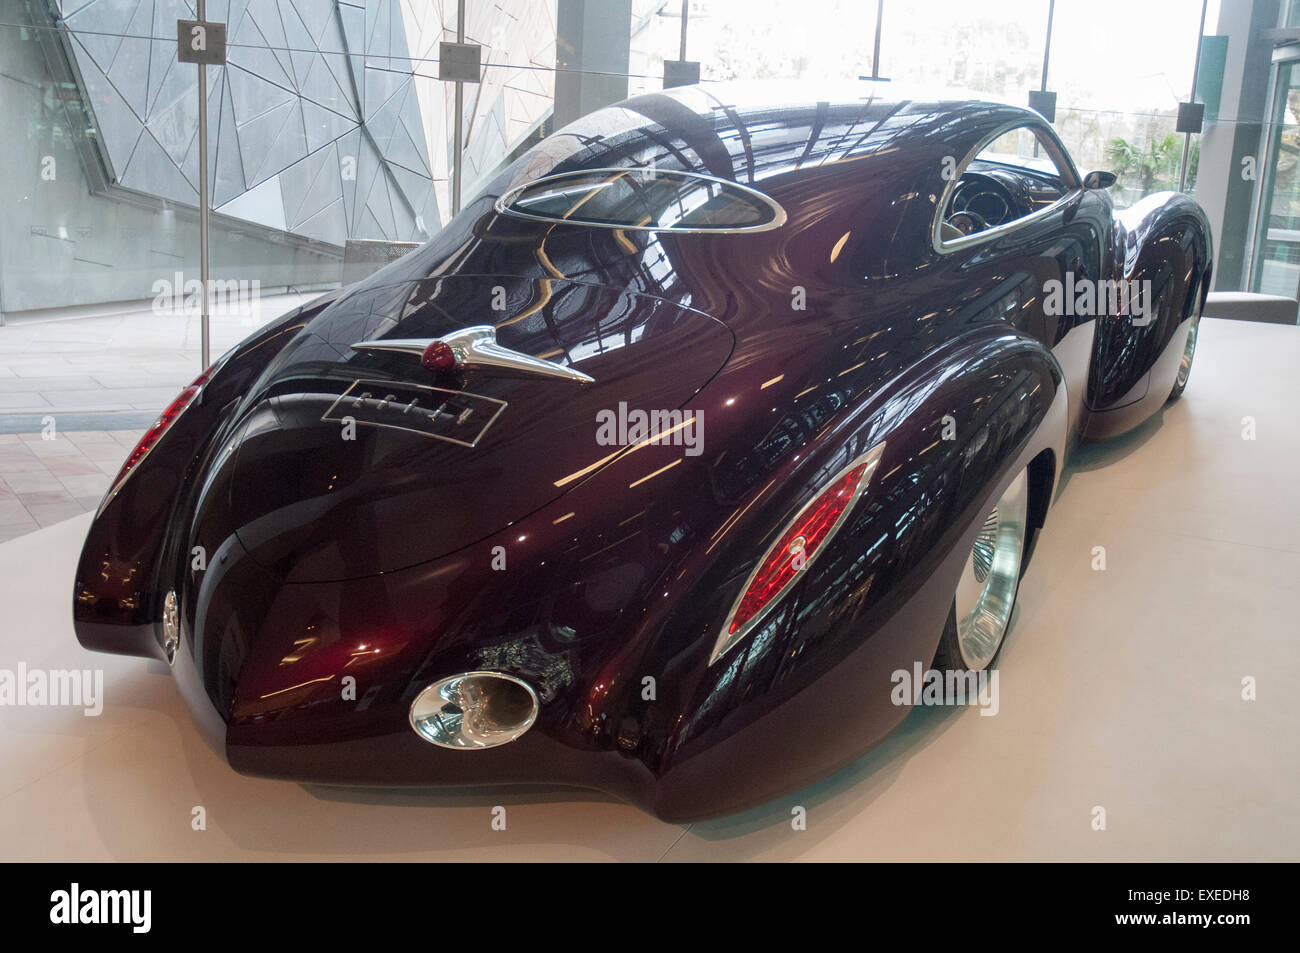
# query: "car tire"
{"type": "Point", "coordinates": [1185, 365]}
{"type": "Point", "coordinates": [982, 606]}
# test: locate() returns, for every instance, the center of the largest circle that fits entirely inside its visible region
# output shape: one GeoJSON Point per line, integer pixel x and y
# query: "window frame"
{"type": "Point", "coordinates": [1056, 152]}
{"type": "Point", "coordinates": [503, 203]}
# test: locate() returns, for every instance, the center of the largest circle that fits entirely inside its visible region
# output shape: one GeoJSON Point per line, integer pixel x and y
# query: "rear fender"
{"type": "Point", "coordinates": [1167, 255]}
{"type": "Point", "coordinates": [810, 689]}
{"type": "Point", "coordinates": [120, 580]}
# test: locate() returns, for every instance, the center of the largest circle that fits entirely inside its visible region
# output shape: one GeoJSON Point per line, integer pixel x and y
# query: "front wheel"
{"type": "Point", "coordinates": [986, 592]}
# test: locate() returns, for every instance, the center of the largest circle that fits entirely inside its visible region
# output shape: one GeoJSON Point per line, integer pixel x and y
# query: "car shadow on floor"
{"type": "Point", "coordinates": [859, 782]}
{"type": "Point", "coordinates": [413, 820]}
{"type": "Point", "coordinates": [161, 767]}
{"type": "Point", "coordinates": [1095, 455]}
{"type": "Point", "coordinates": [866, 778]}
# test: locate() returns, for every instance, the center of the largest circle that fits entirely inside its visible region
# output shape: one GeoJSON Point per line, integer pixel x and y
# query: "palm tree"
{"type": "Point", "coordinates": [1155, 168]}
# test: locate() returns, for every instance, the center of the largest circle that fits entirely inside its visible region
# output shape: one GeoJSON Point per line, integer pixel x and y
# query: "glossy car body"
{"type": "Point", "coordinates": [601, 575]}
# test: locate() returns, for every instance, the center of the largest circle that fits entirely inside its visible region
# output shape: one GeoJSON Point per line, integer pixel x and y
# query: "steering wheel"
{"type": "Point", "coordinates": [984, 197]}
{"type": "Point", "coordinates": [960, 224]}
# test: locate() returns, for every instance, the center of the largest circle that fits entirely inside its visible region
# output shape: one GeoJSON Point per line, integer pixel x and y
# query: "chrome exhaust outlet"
{"type": "Point", "coordinates": [474, 710]}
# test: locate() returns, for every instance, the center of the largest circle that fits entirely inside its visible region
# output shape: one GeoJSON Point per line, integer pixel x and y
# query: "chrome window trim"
{"type": "Point", "coordinates": [502, 204]}
{"type": "Point", "coordinates": [1056, 152]}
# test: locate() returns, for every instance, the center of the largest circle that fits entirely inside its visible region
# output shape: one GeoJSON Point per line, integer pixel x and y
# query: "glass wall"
{"type": "Point", "coordinates": [328, 155]}
{"type": "Point", "coordinates": [327, 126]}
{"type": "Point", "coordinates": [330, 152]}
{"type": "Point", "coordinates": [760, 39]}
{"type": "Point", "coordinates": [989, 50]}
{"type": "Point", "coordinates": [1120, 70]}
{"type": "Point", "coordinates": [1114, 111]}
{"type": "Point", "coordinates": [1276, 264]}
{"type": "Point", "coordinates": [330, 129]}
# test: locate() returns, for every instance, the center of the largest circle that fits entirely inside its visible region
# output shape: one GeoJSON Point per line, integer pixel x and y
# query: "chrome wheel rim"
{"type": "Point", "coordinates": [171, 621]}
{"type": "Point", "coordinates": [986, 592]}
{"type": "Point", "coordinates": [1189, 351]}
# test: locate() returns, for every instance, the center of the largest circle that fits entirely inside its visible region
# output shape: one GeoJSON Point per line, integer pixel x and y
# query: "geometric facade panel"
{"type": "Point", "coordinates": [516, 92]}
{"type": "Point", "coordinates": [314, 124]}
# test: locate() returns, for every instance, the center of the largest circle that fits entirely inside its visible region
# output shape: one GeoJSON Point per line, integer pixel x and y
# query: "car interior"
{"type": "Point", "coordinates": [1012, 177]}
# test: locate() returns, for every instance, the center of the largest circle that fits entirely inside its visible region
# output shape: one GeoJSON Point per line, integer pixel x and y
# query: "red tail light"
{"type": "Point", "coordinates": [438, 357]}
{"type": "Point", "coordinates": [155, 432]}
{"type": "Point", "coordinates": [803, 538]}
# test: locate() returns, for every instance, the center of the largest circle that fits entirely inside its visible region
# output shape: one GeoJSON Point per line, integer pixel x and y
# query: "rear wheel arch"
{"type": "Point", "coordinates": [1042, 486]}
{"type": "Point", "coordinates": [998, 447]}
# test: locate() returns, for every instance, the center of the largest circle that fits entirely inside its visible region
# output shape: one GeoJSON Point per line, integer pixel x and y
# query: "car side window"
{"type": "Point", "coordinates": [1011, 177]}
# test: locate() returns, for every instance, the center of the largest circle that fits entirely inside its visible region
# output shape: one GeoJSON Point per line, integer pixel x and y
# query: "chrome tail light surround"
{"type": "Point", "coordinates": [797, 545]}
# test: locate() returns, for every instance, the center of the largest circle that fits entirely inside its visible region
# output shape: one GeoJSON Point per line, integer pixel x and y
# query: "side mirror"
{"type": "Point", "coordinates": [1099, 180]}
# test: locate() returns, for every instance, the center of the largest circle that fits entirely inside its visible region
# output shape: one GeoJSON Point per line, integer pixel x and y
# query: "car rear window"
{"type": "Point", "coordinates": [645, 199]}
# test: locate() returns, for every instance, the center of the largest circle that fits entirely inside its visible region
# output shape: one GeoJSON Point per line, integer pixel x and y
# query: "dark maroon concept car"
{"type": "Point", "coordinates": [652, 469]}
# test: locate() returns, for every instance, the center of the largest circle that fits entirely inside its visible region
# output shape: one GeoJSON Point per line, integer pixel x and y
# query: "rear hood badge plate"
{"type": "Point", "coordinates": [455, 416]}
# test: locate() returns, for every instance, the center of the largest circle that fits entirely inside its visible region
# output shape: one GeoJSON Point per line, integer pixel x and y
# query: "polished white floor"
{"type": "Point", "coordinates": [1120, 689]}
{"type": "Point", "coordinates": [131, 359]}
